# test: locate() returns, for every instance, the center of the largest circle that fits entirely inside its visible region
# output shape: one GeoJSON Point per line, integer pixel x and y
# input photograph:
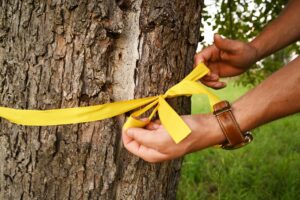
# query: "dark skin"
{"type": "Point", "coordinates": [276, 97]}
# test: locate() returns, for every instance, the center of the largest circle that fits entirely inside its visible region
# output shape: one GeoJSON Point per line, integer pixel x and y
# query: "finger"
{"type": "Point", "coordinates": [147, 154]}
{"type": "Point", "coordinates": [126, 139]}
{"type": "Point", "coordinates": [153, 125]}
{"type": "Point", "coordinates": [214, 84]}
{"type": "Point", "coordinates": [224, 69]}
{"type": "Point", "coordinates": [205, 55]}
{"type": "Point", "coordinates": [224, 56]}
{"type": "Point", "coordinates": [226, 44]}
{"type": "Point", "coordinates": [211, 77]}
{"type": "Point", "coordinates": [143, 136]}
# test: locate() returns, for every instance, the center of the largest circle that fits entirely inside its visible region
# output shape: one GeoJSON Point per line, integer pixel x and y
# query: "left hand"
{"type": "Point", "coordinates": [153, 143]}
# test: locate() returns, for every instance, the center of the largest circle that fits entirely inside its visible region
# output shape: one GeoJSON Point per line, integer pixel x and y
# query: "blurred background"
{"type": "Point", "coordinates": [268, 168]}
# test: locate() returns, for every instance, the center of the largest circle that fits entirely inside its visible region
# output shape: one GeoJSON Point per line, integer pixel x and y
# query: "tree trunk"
{"type": "Point", "coordinates": [58, 54]}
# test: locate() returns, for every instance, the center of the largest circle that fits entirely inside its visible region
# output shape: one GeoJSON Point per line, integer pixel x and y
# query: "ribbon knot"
{"type": "Point", "coordinates": [164, 96]}
{"type": "Point", "coordinates": [171, 121]}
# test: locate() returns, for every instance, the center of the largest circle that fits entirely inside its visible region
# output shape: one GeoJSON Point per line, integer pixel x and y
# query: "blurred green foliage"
{"type": "Point", "coordinates": [243, 20]}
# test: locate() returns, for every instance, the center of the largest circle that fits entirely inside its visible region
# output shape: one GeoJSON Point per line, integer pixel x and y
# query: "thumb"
{"type": "Point", "coordinates": [225, 44]}
{"type": "Point", "coordinates": [142, 136]}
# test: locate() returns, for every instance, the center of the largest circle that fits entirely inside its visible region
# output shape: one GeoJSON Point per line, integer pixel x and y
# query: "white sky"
{"type": "Point", "coordinates": [212, 9]}
{"type": "Point", "coordinates": [208, 33]}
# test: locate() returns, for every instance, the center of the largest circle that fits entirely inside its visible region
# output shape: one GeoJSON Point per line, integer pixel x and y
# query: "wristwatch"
{"type": "Point", "coordinates": [234, 136]}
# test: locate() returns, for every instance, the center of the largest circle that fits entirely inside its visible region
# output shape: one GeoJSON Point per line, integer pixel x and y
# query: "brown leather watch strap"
{"type": "Point", "coordinates": [229, 126]}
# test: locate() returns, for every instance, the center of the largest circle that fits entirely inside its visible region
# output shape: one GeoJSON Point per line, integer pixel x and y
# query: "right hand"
{"type": "Point", "coordinates": [225, 58]}
{"type": "Point", "coordinates": [153, 143]}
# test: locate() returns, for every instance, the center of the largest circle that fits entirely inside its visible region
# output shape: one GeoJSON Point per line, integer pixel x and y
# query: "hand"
{"type": "Point", "coordinates": [225, 58]}
{"type": "Point", "coordinates": [154, 144]}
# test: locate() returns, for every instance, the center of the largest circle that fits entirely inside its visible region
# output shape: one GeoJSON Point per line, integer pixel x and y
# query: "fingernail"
{"type": "Point", "coordinates": [129, 132]}
{"type": "Point", "coordinates": [220, 84]}
{"type": "Point", "coordinates": [156, 126]}
{"type": "Point", "coordinates": [219, 36]}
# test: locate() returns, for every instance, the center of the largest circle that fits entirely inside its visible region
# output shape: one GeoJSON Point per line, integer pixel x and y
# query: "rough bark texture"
{"type": "Point", "coordinates": [57, 54]}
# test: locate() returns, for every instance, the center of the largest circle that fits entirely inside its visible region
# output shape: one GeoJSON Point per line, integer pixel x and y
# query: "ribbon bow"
{"type": "Point", "coordinates": [171, 121]}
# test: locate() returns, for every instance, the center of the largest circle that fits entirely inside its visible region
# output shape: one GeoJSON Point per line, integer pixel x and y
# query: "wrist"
{"type": "Point", "coordinates": [243, 116]}
{"type": "Point", "coordinates": [205, 133]}
{"type": "Point", "coordinates": [215, 132]}
{"type": "Point", "coordinates": [259, 48]}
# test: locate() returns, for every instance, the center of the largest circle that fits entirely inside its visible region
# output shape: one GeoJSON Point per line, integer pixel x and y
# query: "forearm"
{"type": "Point", "coordinates": [281, 32]}
{"type": "Point", "coordinates": [276, 97]}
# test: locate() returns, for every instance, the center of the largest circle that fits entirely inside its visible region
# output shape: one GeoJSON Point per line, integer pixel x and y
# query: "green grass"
{"type": "Point", "coordinates": [268, 168]}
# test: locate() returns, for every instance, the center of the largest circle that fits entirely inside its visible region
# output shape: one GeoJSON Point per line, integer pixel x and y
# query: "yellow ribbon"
{"type": "Point", "coordinates": [172, 122]}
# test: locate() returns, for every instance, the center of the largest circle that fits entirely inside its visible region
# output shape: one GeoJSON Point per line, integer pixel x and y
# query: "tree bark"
{"type": "Point", "coordinates": [58, 54]}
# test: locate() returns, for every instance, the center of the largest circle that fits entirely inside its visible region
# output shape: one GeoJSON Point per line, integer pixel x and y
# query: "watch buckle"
{"type": "Point", "coordinates": [248, 138]}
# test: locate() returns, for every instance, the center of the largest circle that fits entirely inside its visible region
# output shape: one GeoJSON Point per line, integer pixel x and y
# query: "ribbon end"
{"type": "Point", "coordinates": [179, 137]}
{"type": "Point", "coordinates": [175, 126]}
